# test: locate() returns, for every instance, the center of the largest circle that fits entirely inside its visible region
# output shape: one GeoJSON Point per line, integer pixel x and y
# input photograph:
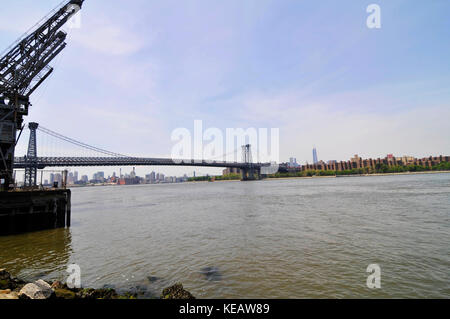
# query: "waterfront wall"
{"type": "Point", "coordinates": [26, 211]}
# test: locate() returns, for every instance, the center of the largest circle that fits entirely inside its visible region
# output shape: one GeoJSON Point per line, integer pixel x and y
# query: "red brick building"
{"type": "Point", "coordinates": [357, 162]}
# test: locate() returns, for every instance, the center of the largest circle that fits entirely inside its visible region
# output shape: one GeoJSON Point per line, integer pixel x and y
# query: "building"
{"type": "Point", "coordinates": [57, 178]}
{"type": "Point", "coordinates": [130, 179]}
{"type": "Point", "coordinates": [231, 170]}
{"type": "Point", "coordinates": [315, 159]}
{"type": "Point", "coordinates": [152, 177]}
{"type": "Point", "coordinates": [293, 162]}
{"type": "Point", "coordinates": [405, 159]}
{"type": "Point", "coordinates": [370, 165]}
{"type": "Point", "coordinates": [70, 179]}
{"type": "Point", "coordinates": [98, 177]}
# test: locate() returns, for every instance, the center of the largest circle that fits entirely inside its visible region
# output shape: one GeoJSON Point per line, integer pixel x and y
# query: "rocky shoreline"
{"type": "Point", "coordinates": [14, 288]}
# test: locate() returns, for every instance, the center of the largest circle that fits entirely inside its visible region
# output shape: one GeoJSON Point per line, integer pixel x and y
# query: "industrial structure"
{"type": "Point", "coordinates": [23, 68]}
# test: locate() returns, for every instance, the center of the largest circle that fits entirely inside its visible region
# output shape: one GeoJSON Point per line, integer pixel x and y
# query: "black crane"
{"type": "Point", "coordinates": [22, 70]}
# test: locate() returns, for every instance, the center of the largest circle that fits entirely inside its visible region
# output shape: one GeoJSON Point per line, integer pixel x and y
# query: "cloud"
{"type": "Point", "coordinates": [108, 37]}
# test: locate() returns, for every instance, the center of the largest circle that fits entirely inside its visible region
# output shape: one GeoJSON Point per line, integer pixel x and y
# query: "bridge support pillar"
{"type": "Point", "coordinates": [31, 169]}
{"type": "Point", "coordinates": [250, 174]}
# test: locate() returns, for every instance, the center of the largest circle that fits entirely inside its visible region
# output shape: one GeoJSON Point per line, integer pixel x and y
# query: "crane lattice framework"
{"type": "Point", "coordinates": [22, 70]}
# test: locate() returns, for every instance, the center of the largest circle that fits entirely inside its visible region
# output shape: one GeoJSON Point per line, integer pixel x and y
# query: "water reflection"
{"type": "Point", "coordinates": [31, 256]}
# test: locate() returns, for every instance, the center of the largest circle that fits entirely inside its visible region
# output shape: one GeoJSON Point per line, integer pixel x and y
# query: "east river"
{"type": "Point", "coordinates": [290, 238]}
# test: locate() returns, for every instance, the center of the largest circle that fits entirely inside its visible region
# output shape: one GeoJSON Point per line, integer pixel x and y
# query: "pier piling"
{"type": "Point", "coordinates": [26, 211]}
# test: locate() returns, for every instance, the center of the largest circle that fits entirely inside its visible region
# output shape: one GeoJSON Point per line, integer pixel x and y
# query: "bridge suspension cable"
{"type": "Point", "coordinates": [224, 156]}
{"type": "Point", "coordinates": [78, 143]}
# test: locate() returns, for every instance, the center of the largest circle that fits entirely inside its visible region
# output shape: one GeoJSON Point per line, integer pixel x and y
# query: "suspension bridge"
{"type": "Point", "coordinates": [32, 162]}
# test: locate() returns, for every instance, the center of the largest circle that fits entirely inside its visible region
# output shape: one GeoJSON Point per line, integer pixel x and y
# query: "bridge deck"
{"type": "Point", "coordinates": [43, 162]}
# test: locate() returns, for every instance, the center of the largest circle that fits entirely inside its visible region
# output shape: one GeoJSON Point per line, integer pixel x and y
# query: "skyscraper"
{"type": "Point", "coordinates": [293, 162]}
{"type": "Point", "coordinates": [152, 177]}
{"type": "Point", "coordinates": [315, 160]}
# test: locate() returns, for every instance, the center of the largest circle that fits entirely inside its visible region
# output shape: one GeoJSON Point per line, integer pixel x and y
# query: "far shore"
{"type": "Point", "coordinates": [333, 176]}
{"type": "Point", "coordinates": [362, 175]}
{"type": "Point", "coordinates": [280, 178]}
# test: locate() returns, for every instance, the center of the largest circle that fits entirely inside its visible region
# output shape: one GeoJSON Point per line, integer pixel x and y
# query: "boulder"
{"type": "Point", "coordinates": [37, 290]}
{"type": "Point", "coordinates": [58, 285]}
{"type": "Point", "coordinates": [8, 282]}
{"type": "Point", "coordinates": [5, 279]}
{"type": "Point", "coordinates": [4, 274]}
{"type": "Point", "coordinates": [90, 293]}
{"type": "Point", "coordinates": [65, 294]}
{"type": "Point", "coordinates": [211, 273]}
{"type": "Point", "coordinates": [176, 292]}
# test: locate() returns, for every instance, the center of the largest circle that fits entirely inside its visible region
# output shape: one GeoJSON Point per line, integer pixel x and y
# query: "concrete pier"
{"type": "Point", "coordinates": [26, 211]}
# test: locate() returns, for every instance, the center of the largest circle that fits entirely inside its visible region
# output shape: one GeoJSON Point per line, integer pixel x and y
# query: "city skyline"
{"type": "Point", "coordinates": [48, 177]}
{"type": "Point", "coordinates": [144, 172]}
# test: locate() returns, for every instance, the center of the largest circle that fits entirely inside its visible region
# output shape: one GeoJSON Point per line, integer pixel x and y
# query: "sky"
{"type": "Point", "coordinates": [136, 70]}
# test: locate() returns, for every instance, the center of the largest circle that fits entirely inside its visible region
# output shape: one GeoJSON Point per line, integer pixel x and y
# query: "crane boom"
{"type": "Point", "coordinates": [22, 70]}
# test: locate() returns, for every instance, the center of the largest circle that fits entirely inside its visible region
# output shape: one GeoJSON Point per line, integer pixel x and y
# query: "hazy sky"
{"type": "Point", "coordinates": [138, 69]}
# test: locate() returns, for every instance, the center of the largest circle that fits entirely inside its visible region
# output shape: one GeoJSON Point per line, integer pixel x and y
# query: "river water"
{"type": "Point", "coordinates": [291, 238]}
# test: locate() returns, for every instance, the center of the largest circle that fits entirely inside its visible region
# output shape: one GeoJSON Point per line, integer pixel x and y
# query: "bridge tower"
{"type": "Point", "coordinates": [250, 171]}
{"type": "Point", "coordinates": [31, 169]}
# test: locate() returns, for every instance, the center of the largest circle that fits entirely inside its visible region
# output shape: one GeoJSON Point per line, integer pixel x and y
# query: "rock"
{"type": "Point", "coordinates": [6, 291]}
{"type": "Point", "coordinates": [58, 285]}
{"type": "Point", "coordinates": [108, 286]}
{"type": "Point", "coordinates": [211, 273]}
{"type": "Point", "coordinates": [37, 290]}
{"type": "Point", "coordinates": [176, 292]}
{"type": "Point", "coordinates": [5, 279]}
{"type": "Point", "coordinates": [8, 282]}
{"type": "Point", "coordinates": [152, 279]}
{"type": "Point", "coordinates": [90, 293]}
{"type": "Point", "coordinates": [12, 295]}
{"type": "Point", "coordinates": [128, 295]}
{"type": "Point", "coordinates": [65, 294]}
{"type": "Point", "coordinates": [4, 274]}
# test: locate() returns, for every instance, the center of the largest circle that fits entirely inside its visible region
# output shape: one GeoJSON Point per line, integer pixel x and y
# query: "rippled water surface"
{"type": "Point", "coordinates": [296, 238]}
